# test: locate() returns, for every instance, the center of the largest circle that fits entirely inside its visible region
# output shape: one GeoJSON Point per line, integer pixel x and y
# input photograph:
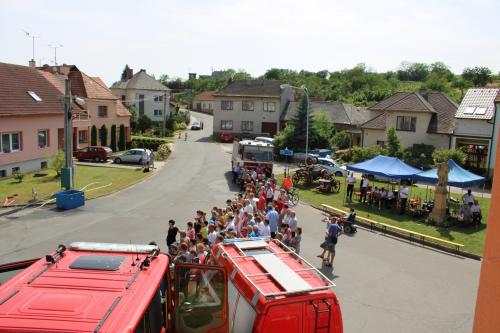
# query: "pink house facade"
{"type": "Point", "coordinates": [31, 115]}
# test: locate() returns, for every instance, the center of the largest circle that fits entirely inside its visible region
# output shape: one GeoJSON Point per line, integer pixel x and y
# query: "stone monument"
{"type": "Point", "coordinates": [438, 214]}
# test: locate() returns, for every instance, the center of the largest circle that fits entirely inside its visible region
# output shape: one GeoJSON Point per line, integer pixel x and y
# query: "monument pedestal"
{"type": "Point", "coordinates": [438, 214]}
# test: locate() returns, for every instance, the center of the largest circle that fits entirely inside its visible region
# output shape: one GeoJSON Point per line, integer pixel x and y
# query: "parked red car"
{"type": "Point", "coordinates": [226, 137]}
{"type": "Point", "coordinates": [94, 153]}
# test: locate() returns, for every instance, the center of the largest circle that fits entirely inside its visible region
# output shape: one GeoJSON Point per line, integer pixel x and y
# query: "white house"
{"type": "Point", "coordinates": [148, 95]}
{"type": "Point", "coordinates": [476, 129]}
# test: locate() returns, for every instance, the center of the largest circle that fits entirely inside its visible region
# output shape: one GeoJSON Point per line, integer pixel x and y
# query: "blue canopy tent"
{"type": "Point", "coordinates": [385, 166]}
{"type": "Point", "coordinates": [458, 176]}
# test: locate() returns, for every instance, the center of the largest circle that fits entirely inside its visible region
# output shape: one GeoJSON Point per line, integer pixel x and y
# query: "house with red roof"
{"type": "Point", "coordinates": [32, 114]}
{"type": "Point", "coordinates": [103, 108]}
{"type": "Point", "coordinates": [204, 102]}
{"type": "Point", "coordinates": [418, 117]}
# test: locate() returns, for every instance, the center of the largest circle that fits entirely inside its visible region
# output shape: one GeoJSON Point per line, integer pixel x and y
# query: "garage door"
{"type": "Point", "coordinates": [270, 128]}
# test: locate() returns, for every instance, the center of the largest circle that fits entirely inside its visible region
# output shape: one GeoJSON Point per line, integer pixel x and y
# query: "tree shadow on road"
{"type": "Point", "coordinates": [205, 139]}
{"type": "Point", "coordinates": [229, 179]}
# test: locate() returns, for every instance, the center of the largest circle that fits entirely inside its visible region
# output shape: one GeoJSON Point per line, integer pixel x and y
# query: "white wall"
{"type": "Point", "coordinates": [473, 127]}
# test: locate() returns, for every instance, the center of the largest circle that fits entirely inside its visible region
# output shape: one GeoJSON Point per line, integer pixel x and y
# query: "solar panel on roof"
{"type": "Point", "coordinates": [469, 110]}
{"type": "Point", "coordinates": [103, 263]}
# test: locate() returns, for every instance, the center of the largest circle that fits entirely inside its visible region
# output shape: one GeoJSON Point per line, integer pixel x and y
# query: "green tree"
{"type": "Point", "coordinates": [133, 117]}
{"type": "Point", "coordinates": [360, 154]}
{"type": "Point", "coordinates": [462, 84]}
{"type": "Point", "coordinates": [341, 140]}
{"type": "Point", "coordinates": [170, 122]}
{"type": "Point", "coordinates": [57, 162]}
{"type": "Point", "coordinates": [322, 123]}
{"type": "Point", "coordinates": [441, 70]}
{"type": "Point", "coordinates": [443, 155]}
{"type": "Point", "coordinates": [413, 71]}
{"type": "Point", "coordinates": [124, 73]}
{"type": "Point", "coordinates": [103, 135]}
{"type": "Point", "coordinates": [435, 82]}
{"type": "Point", "coordinates": [113, 137]}
{"type": "Point", "coordinates": [419, 155]}
{"type": "Point", "coordinates": [122, 144]}
{"type": "Point", "coordinates": [393, 145]}
{"type": "Point", "coordinates": [144, 123]}
{"type": "Point", "coordinates": [93, 136]}
{"type": "Point", "coordinates": [480, 76]}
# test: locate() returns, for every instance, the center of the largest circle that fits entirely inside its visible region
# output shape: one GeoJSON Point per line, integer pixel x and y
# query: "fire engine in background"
{"type": "Point", "coordinates": [251, 154]}
{"type": "Point", "coordinates": [248, 285]}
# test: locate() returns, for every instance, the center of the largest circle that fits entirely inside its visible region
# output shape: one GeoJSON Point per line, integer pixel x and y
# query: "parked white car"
{"type": "Point", "coordinates": [332, 166]}
{"type": "Point", "coordinates": [131, 156]}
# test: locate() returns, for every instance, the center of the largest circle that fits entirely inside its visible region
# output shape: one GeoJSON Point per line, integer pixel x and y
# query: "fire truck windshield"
{"type": "Point", "coordinates": [258, 156]}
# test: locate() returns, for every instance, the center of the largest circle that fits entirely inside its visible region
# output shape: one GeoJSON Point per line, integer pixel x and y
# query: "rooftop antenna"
{"type": "Point", "coordinates": [33, 37]}
{"type": "Point", "coordinates": [55, 47]}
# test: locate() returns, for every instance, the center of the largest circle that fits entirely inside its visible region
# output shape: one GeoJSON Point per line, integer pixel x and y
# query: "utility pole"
{"type": "Point", "coordinates": [33, 37]}
{"type": "Point", "coordinates": [55, 47]}
{"type": "Point", "coordinates": [163, 131]}
{"type": "Point", "coordinates": [67, 179]}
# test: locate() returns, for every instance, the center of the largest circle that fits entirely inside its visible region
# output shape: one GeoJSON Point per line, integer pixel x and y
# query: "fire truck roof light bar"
{"type": "Point", "coordinates": [113, 247]}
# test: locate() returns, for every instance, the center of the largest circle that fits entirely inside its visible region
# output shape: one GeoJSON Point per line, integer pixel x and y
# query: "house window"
{"type": "Point", "coordinates": [381, 143]}
{"type": "Point", "coordinates": [158, 98]}
{"type": "Point", "coordinates": [10, 142]}
{"type": "Point", "coordinates": [247, 105]}
{"type": "Point", "coordinates": [210, 106]}
{"type": "Point", "coordinates": [3, 173]}
{"type": "Point", "coordinates": [43, 138]}
{"type": "Point", "coordinates": [123, 98]}
{"type": "Point", "coordinates": [406, 124]}
{"type": "Point", "coordinates": [226, 105]}
{"type": "Point", "coordinates": [34, 96]}
{"type": "Point", "coordinates": [247, 125]}
{"type": "Point", "coordinates": [158, 113]}
{"type": "Point", "coordinates": [44, 165]}
{"type": "Point", "coordinates": [226, 124]}
{"type": "Point", "coordinates": [83, 137]}
{"type": "Point", "coordinates": [269, 106]}
{"type": "Point", "coordinates": [102, 111]}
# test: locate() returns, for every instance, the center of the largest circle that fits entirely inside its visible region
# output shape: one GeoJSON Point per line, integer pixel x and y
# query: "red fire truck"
{"type": "Point", "coordinates": [251, 154]}
{"type": "Point", "coordinates": [100, 287]}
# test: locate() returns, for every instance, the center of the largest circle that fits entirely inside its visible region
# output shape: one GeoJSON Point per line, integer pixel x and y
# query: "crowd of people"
{"type": "Point", "coordinates": [260, 209]}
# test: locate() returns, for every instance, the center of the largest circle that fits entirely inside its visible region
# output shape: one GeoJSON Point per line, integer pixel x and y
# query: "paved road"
{"type": "Point", "coordinates": [384, 284]}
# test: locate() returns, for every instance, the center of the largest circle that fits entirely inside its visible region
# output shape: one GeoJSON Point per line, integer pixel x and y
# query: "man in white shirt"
{"type": "Point", "coordinates": [468, 197]}
{"type": "Point", "coordinates": [212, 234]}
{"type": "Point", "coordinates": [351, 181]}
{"type": "Point", "coordinates": [292, 223]}
{"type": "Point", "coordinates": [236, 172]}
{"type": "Point", "coordinates": [266, 231]}
{"type": "Point", "coordinates": [403, 196]}
{"type": "Point", "coordinates": [247, 207]}
{"type": "Point", "coordinates": [364, 188]}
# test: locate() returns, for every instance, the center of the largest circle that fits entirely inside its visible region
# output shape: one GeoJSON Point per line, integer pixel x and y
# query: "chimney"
{"type": "Point", "coordinates": [130, 73]}
{"type": "Point", "coordinates": [32, 63]}
{"type": "Point", "coordinates": [424, 93]}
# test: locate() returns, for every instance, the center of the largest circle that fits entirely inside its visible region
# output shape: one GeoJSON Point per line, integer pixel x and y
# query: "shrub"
{"type": "Point", "coordinates": [341, 140]}
{"type": "Point", "coordinates": [419, 156]}
{"type": "Point", "coordinates": [146, 142]}
{"type": "Point", "coordinates": [113, 137]}
{"type": "Point", "coordinates": [121, 138]}
{"type": "Point", "coordinates": [57, 162]}
{"type": "Point", "coordinates": [443, 155]}
{"type": "Point", "coordinates": [103, 135]}
{"type": "Point", "coordinates": [360, 154]}
{"type": "Point", "coordinates": [93, 136]}
{"type": "Point", "coordinates": [180, 126]}
{"type": "Point", "coordinates": [144, 123]}
{"type": "Point", "coordinates": [393, 145]}
{"type": "Point", "coordinates": [18, 176]}
{"type": "Point", "coordinates": [162, 152]}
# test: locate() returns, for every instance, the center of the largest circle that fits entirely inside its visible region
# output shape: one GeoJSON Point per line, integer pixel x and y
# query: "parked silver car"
{"type": "Point", "coordinates": [332, 166]}
{"type": "Point", "coordinates": [131, 156]}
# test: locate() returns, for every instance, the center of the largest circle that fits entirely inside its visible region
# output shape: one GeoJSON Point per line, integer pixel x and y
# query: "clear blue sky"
{"type": "Point", "coordinates": [177, 36]}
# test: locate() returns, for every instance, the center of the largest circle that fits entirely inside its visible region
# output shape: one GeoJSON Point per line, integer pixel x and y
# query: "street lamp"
{"type": "Point", "coordinates": [306, 94]}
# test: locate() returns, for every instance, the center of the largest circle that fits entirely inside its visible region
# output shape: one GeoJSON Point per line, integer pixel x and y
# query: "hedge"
{"type": "Point", "coordinates": [148, 143]}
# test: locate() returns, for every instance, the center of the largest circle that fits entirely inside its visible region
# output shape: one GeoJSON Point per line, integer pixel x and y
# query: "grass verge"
{"type": "Point", "coordinates": [471, 237]}
{"type": "Point", "coordinates": [45, 186]}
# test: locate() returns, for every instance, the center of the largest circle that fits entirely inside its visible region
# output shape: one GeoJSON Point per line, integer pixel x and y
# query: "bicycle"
{"type": "Point", "coordinates": [293, 196]}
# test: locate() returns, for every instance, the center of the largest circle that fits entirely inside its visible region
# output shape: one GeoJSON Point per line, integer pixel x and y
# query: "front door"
{"type": "Point", "coordinates": [200, 298]}
{"type": "Point", "coordinates": [198, 107]}
{"type": "Point", "coordinates": [60, 138]}
{"type": "Point", "coordinates": [269, 128]}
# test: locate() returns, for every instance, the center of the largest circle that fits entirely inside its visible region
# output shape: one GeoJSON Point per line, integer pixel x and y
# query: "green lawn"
{"type": "Point", "coordinates": [46, 186]}
{"type": "Point", "coordinates": [471, 237]}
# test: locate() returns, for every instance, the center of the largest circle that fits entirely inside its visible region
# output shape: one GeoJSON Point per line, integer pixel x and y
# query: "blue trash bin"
{"type": "Point", "coordinates": [70, 199]}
